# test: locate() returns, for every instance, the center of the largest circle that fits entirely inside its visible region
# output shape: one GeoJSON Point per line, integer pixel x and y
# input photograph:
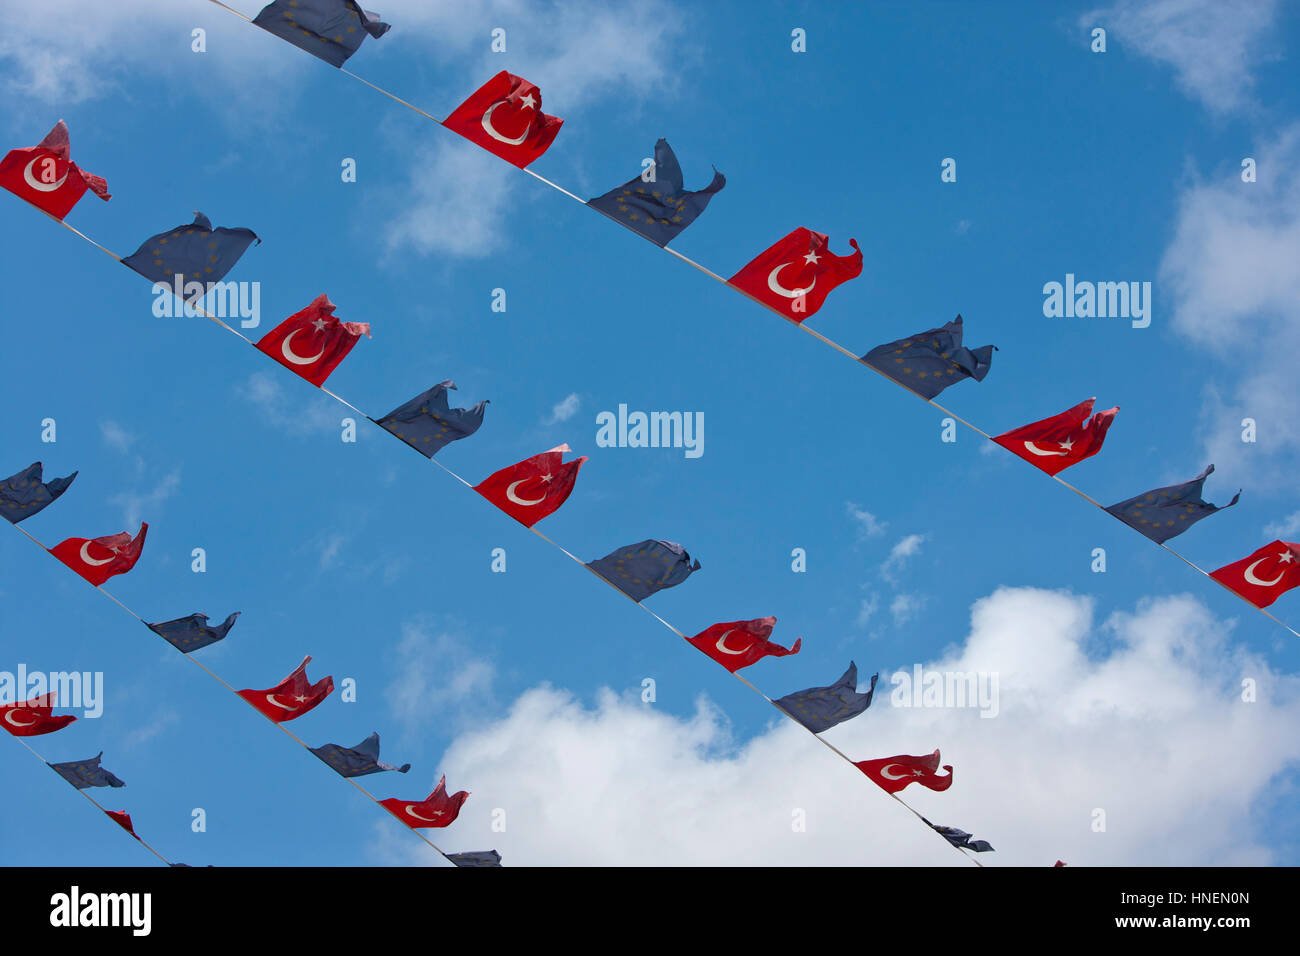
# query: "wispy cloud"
{"type": "Point", "coordinates": [115, 436]}
{"type": "Point", "coordinates": [437, 671]}
{"type": "Point", "coordinates": [563, 410]}
{"type": "Point", "coordinates": [903, 551]}
{"type": "Point", "coordinates": [143, 506]}
{"type": "Point", "coordinates": [298, 415]}
{"type": "Point", "coordinates": [869, 526]}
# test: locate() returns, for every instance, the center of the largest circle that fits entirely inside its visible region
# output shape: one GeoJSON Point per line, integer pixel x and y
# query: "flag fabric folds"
{"type": "Point", "coordinates": [1167, 512]}
{"type": "Point", "coordinates": [356, 761]}
{"type": "Point", "coordinates": [661, 208]}
{"type": "Point", "coordinates": [641, 569]}
{"type": "Point", "coordinates": [313, 342]}
{"type": "Point", "coordinates": [476, 858]}
{"type": "Point", "coordinates": [738, 644]}
{"type": "Point", "coordinates": [428, 425]}
{"type": "Point", "coordinates": [46, 176]}
{"type": "Point", "coordinates": [795, 275]}
{"type": "Point", "coordinates": [86, 773]}
{"type": "Point", "coordinates": [893, 774]}
{"type": "Point", "coordinates": [1264, 576]}
{"type": "Point", "coordinates": [930, 361]}
{"type": "Point", "coordinates": [821, 708]}
{"type": "Point", "coordinates": [959, 838]}
{"type": "Point", "coordinates": [32, 718]}
{"type": "Point", "coordinates": [98, 559]}
{"type": "Point", "coordinates": [330, 29]}
{"type": "Point", "coordinates": [530, 490]}
{"type": "Point", "coordinates": [505, 117]}
{"type": "Point", "coordinates": [24, 494]}
{"type": "Point", "coordinates": [1056, 443]}
{"type": "Point", "coordinates": [193, 633]}
{"type": "Point", "coordinates": [194, 253]}
{"type": "Point", "coordinates": [122, 819]}
{"type": "Point", "coordinates": [438, 809]}
{"type": "Point", "coordinates": [292, 697]}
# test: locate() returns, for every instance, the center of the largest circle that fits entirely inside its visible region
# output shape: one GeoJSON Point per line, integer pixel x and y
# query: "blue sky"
{"type": "Point", "coordinates": [1120, 691]}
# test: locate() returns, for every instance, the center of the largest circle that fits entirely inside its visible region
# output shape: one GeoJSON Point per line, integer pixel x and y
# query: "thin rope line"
{"type": "Point", "coordinates": [139, 839]}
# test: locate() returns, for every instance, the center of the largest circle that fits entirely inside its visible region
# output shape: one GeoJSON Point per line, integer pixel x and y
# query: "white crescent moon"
{"type": "Point", "coordinates": [270, 699]}
{"type": "Point", "coordinates": [722, 644]}
{"type": "Point", "coordinates": [779, 289]}
{"type": "Point", "coordinates": [1035, 450]}
{"type": "Point", "coordinates": [884, 772]}
{"type": "Point", "coordinates": [36, 184]}
{"type": "Point", "coordinates": [491, 130]}
{"type": "Point", "coordinates": [89, 560]}
{"type": "Point", "coordinates": [1251, 579]}
{"type": "Point", "coordinates": [510, 494]}
{"type": "Point", "coordinates": [9, 719]}
{"type": "Point", "coordinates": [292, 356]}
{"type": "Point", "coordinates": [417, 816]}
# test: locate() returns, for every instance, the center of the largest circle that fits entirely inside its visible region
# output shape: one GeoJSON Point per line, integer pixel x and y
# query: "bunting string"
{"type": "Point", "coordinates": [799, 325]}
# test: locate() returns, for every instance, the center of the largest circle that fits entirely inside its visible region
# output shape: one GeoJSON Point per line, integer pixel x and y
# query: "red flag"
{"type": "Point", "coordinates": [122, 819]}
{"type": "Point", "coordinates": [505, 117]}
{"type": "Point", "coordinates": [1265, 575]}
{"type": "Point", "coordinates": [312, 343]}
{"type": "Point", "coordinates": [534, 488]}
{"type": "Point", "coordinates": [46, 176]}
{"type": "Point", "coordinates": [892, 774]}
{"type": "Point", "coordinates": [1056, 443]}
{"type": "Point", "coordinates": [292, 697]}
{"type": "Point", "coordinates": [436, 810]}
{"type": "Point", "coordinates": [98, 559]}
{"type": "Point", "coordinates": [1059, 863]}
{"type": "Point", "coordinates": [33, 717]}
{"type": "Point", "coordinates": [795, 275]}
{"type": "Point", "coordinates": [738, 644]}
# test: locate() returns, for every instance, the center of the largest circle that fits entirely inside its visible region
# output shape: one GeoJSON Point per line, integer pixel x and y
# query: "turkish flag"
{"type": "Point", "coordinates": [505, 117]}
{"type": "Point", "coordinates": [46, 176]}
{"type": "Point", "coordinates": [122, 819]}
{"type": "Point", "coordinates": [738, 644]}
{"type": "Point", "coordinates": [1265, 575]}
{"type": "Point", "coordinates": [32, 718]}
{"type": "Point", "coordinates": [292, 697]}
{"type": "Point", "coordinates": [313, 342]}
{"type": "Point", "coordinates": [534, 488]}
{"type": "Point", "coordinates": [795, 275]}
{"type": "Point", "coordinates": [98, 559]}
{"type": "Point", "coordinates": [437, 810]}
{"type": "Point", "coordinates": [1056, 443]}
{"type": "Point", "coordinates": [892, 774]}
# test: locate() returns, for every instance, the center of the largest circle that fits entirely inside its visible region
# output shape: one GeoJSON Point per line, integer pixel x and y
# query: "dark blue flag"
{"type": "Point", "coordinates": [428, 425]}
{"type": "Point", "coordinates": [930, 361]}
{"type": "Point", "coordinates": [24, 494]}
{"type": "Point", "coordinates": [193, 633]}
{"type": "Point", "coordinates": [661, 209]}
{"type": "Point", "coordinates": [330, 29]}
{"type": "Point", "coordinates": [86, 773]}
{"type": "Point", "coordinates": [820, 708]}
{"type": "Point", "coordinates": [1166, 512]}
{"type": "Point", "coordinates": [356, 761]}
{"type": "Point", "coordinates": [476, 858]}
{"type": "Point", "coordinates": [191, 253]}
{"type": "Point", "coordinates": [960, 838]}
{"type": "Point", "coordinates": [639, 570]}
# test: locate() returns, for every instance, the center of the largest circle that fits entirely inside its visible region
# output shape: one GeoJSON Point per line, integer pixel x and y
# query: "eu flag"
{"type": "Point", "coordinates": [821, 708]}
{"type": "Point", "coordinates": [661, 208]}
{"type": "Point", "coordinates": [86, 773]}
{"type": "Point", "coordinates": [639, 570]}
{"type": "Point", "coordinates": [476, 858]}
{"type": "Point", "coordinates": [929, 362]}
{"type": "Point", "coordinates": [24, 494]}
{"type": "Point", "coordinates": [194, 253]}
{"type": "Point", "coordinates": [1167, 512]}
{"type": "Point", "coordinates": [193, 633]}
{"type": "Point", "coordinates": [959, 838]}
{"type": "Point", "coordinates": [428, 425]}
{"type": "Point", "coordinates": [330, 29]}
{"type": "Point", "coordinates": [356, 761]}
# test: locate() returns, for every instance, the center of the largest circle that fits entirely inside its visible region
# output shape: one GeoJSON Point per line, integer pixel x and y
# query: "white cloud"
{"type": "Point", "coordinates": [867, 609]}
{"type": "Point", "coordinates": [563, 410]}
{"type": "Point", "coordinates": [622, 782]}
{"type": "Point", "coordinates": [904, 607]}
{"type": "Point", "coordinates": [138, 506]}
{"type": "Point", "coordinates": [297, 415]}
{"type": "Point", "coordinates": [437, 672]}
{"type": "Point", "coordinates": [115, 436]}
{"type": "Point", "coordinates": [1212, 46]}
{"type": "Point", "coordinates": [869, 526]}
{"type": "Point", "coordinates": [1285, 528]}
{"type": "Point", "coordinates": [903, 551]}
